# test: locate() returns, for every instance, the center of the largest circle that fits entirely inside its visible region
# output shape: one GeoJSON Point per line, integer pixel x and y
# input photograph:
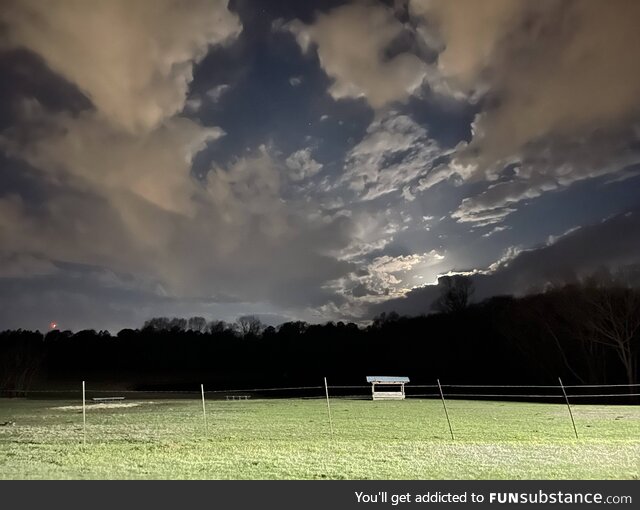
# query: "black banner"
{"type": "Point", "coordinates": [311, 495]}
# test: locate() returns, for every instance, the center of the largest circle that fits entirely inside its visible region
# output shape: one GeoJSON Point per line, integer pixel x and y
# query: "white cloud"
{"type": "Point", "coordinates": [117, 190]}
{"type": "Point", "coordinates": [302, 165]}
{"type": "Point", "coordinates": [387, 276]}
{"type": "Point", "coordinates": [393, 265]}
{"type": "Point", "coordinates": [394, 152]}
{"type": "Point", "coordinates": [193, 104]}
{"type": "Point", "coordinates": [561, 82]}
{"type": "Point", "coordinates": [509, 254]}
{"type": "Point", "coordinates": [240, 239]}
{"type": "Point", "coordinates": [351, 41]}
{"type": "Point", "coordinates": [495, 230]}
{"type": "Point", "coordinates": [216, 92]}
{"type": "Point", "coordinates": [550, 166]}
{"type": "Point", "coordinates": [134, 60]}
{"type": "Point", "coordinates": [86, 153]}
{"type": "Point", "coordinates": [481, 217]}
{"type": "Point", "coordinates": [468, 34]}
{"type": "Point", "coordinates": [369, 231]}
{"type": "Point", "coordinates": [549, 75]}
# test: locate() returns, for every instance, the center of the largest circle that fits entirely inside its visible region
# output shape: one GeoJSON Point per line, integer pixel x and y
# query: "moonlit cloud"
{"type": "Point", "coordinates": [389, 275]}
{"type": "Point", "coordinates": [578, 253]}
{"type": "Point", "coordinates": [562, 85]}
{"type": "Point", "coordinates": [551, 166]}
{"type": "Point", "coordinates": [351, 41]}
{"type": "Point", "coordinates": [134, 60]}
{"type": "Point", "coordinates": [385, 278]}
{"type": "Point", "coordinates": [84, 152]}
{"type": "Point", "coordinates": [179, 157]}
{"type": "Point", "coordinates": [121, 194]}
{"type": "Point", "coordinates": [215, 93]}
{"type": "Point", "coordinates": [295, 81]}
{"type": "Point", "coordinates": [302, 165]}
{"type": "Point", "coordinates": [370, 232]}
{"type": "Point", "coordinates": [395, 152]}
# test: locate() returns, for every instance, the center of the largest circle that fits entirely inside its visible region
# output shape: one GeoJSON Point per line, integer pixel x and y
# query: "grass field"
{"type": "Point", "coordinates": [291, 439]}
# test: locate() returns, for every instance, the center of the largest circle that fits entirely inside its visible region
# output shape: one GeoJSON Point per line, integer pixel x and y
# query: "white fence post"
{"type": "Point", "coordinates": [84, 417]}
{"type": "Point", "coordinates": [566, 398]}
{"type": "Point", "coordinates": [326, 390]}
{"type": "Point", "coordinates": [204, 409]}
{"type": "Point", "coordinates": [445, 409]}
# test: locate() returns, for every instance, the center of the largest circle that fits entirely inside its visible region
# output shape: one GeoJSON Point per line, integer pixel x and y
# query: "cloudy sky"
{"type": "Point", "coordinates": [317, 160]}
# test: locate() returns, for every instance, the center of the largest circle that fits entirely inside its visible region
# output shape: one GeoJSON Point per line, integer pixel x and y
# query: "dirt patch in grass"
{"type": "Point", "coordinates": [104, 405]}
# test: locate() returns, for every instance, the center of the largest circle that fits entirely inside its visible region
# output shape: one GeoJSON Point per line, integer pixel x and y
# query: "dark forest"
{"type": "Point", "coordinates": [587, 334]}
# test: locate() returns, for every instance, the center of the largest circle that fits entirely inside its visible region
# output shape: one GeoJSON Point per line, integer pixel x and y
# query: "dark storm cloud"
{"type": "Point", "coordinates": [25, 75]}
{"type": "Point", "coordinates": [613, 244]}
{"type": "Point", "coordinates": [83, 297]}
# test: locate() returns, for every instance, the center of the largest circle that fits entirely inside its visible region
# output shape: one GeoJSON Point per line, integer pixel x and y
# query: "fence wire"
{"type": "Point", "coordinates": [357, 391]}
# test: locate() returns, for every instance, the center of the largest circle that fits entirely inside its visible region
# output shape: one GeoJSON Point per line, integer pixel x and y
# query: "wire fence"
{"type": "Point", "coordinates": [453, 391]}
{"type": "Point", "coordinates": [154, 414]}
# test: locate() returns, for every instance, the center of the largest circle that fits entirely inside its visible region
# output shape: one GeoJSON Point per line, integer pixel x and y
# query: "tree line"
{"type": "Point", "coordinates": [587, 333]}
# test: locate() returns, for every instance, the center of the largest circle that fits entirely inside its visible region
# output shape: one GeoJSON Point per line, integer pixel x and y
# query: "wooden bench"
{"type": "Point", "coordinates": [106, 399]}
{"type": "Point", "coordinates": [388, 395]}
{"type": "Point", "coordinates": [237, 397]}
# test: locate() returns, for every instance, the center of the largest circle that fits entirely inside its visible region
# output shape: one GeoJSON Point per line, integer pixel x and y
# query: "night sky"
{"type": "Point", "coordinates": [309, 160]}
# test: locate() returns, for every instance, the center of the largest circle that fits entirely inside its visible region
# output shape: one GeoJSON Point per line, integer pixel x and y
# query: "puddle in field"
{"type": "Point", "coordinates": [103, 405]}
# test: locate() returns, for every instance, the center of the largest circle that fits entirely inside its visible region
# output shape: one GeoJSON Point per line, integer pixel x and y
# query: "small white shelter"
{"type": "Point", "coordinates": [389, 387]}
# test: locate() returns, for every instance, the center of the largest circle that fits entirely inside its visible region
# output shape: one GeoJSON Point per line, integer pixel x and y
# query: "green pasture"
{"type": "Point", "coordinates": [282, 439]}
